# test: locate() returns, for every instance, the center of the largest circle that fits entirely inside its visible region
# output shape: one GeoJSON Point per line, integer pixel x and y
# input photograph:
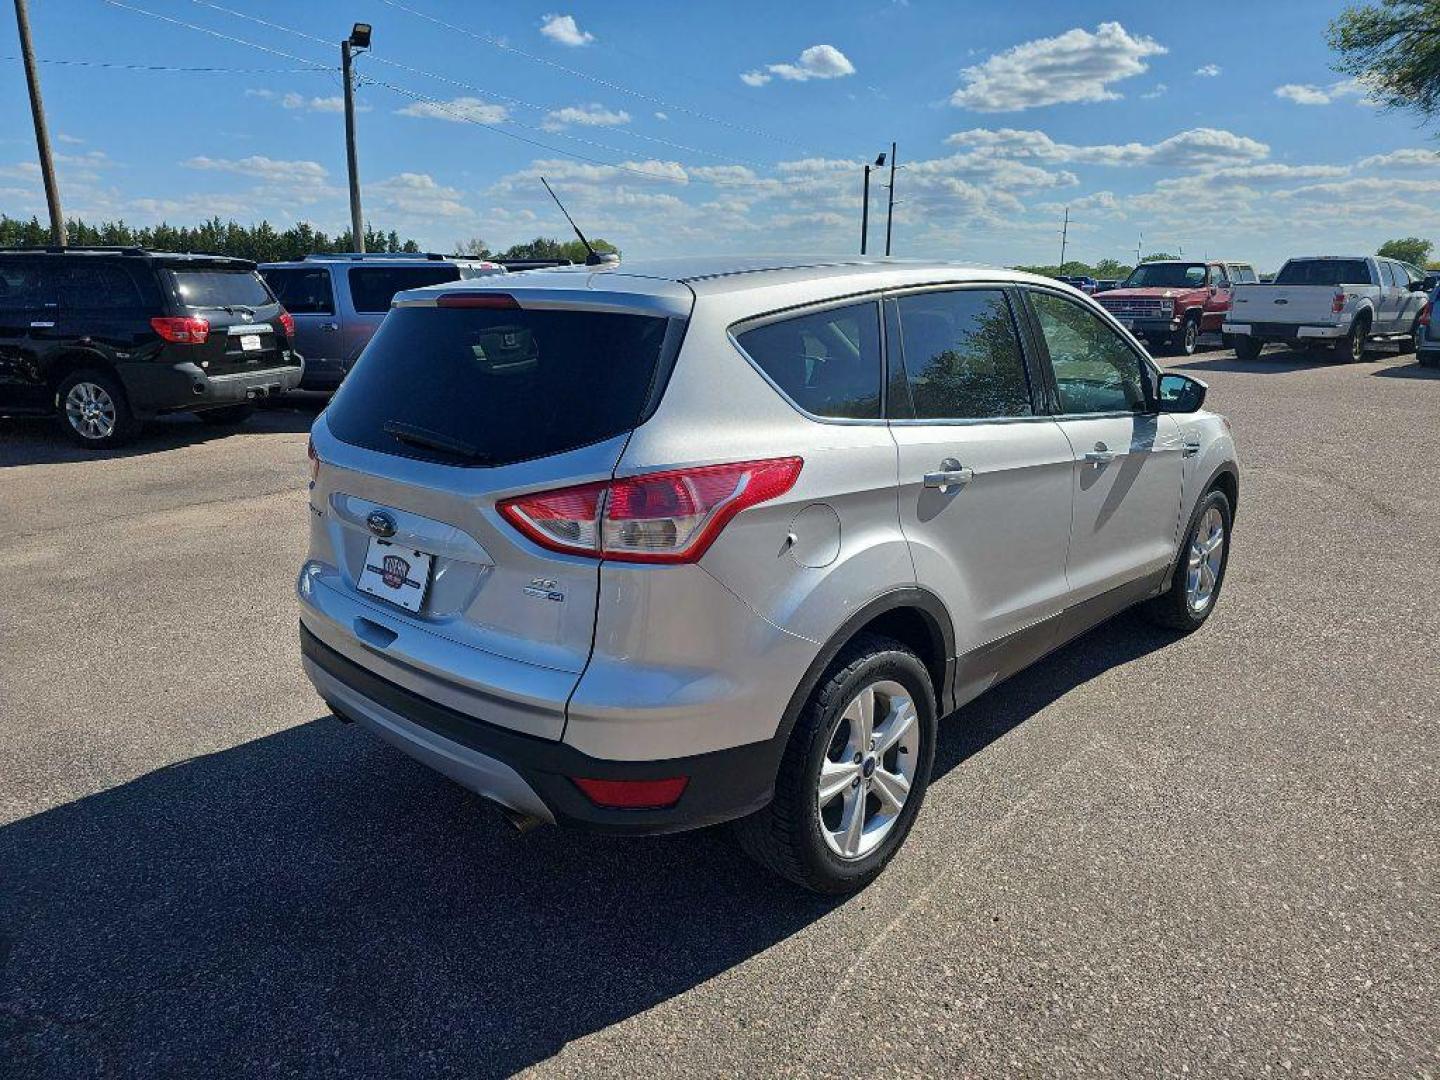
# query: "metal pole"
{"type": "Point", "coordinates": [1064, 234]}
{"type": "Point", "coordinates": [357, 219]}
{"type": "Point", "coordinates": [865, 213]}
{"type": "Point", "coordinates": [890, 207]}
{"type": "Point", "coordinates": [42, 135]}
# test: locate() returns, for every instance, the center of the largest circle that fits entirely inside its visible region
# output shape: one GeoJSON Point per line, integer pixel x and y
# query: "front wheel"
{"type": "Point", "coordinates": [854, 772]}
{"type": "Point", "coordinates": [93, 407]}
{"type": "Point", "coordinates": [1187, 339]}
{"type": "Point", "coordinates": [1200, 569]}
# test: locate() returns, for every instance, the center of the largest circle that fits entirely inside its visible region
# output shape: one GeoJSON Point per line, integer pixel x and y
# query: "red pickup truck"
{"type": "Point", "coordinates": [1173, 302]}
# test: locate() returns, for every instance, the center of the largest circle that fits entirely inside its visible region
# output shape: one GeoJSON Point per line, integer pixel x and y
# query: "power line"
{"type": "Point", "coordinates": [617, 87]}
{"type": "Point", "coordinates": [312, 64]}
{"type": "Point", "coordinates": [494, 94]}
{"type": "Point", "coordinates": [167, 67]}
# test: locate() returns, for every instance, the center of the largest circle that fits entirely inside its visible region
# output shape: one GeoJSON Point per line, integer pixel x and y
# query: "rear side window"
{"type": "Point", "coordinates": [470, 386]}
{"type": "Point", "coordinates": [220, 288]}
{"type": "Point", "coordinates": [94, 285]}
{"type": "Point", "coordinates": [24, 283]}
{"type": "Point", "coordinates": [373, 287]}
{"type": "Point", "coordinates": [302, 292]}
{"type": "Point", "coordinates": [1324, 272]}
{"type": "Point", "coordinates": [962, 356]}
{"type": "Point", "coordinates": [827, 362]}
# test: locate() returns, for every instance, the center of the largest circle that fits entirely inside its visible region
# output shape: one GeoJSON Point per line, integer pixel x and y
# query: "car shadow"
{"type": "Point", "coordinates": [1269, 362]}
{"type": "Point", "coordinates": [1408, 371]}
{"type": "Point", "coordinates": [39, 440]}
{"type": "Point", "coordinates": [313, 901]}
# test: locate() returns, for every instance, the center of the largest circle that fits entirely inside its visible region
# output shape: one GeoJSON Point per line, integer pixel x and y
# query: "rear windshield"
{"type": "Point", "coordinates": [220, 288]}
{"type": "Point", "coordinates": [373, 287]}
{"type": "Point", "coordinates": [1324, 272]}
{"type": "Point", "coordinates": [1166, 275]}
{"type": "Point", "coordinates": [472, 386]}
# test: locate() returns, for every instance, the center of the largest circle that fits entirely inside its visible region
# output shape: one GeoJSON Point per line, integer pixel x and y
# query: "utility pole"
{"type": "Point", "coordinates": [42, 134]}
{"type": "Point", "coordinates": [890, 207]}
{"type": "Point", "coordinates": [359, 39]}
{"type": "Point", "coordinates": [1064, 235]}
{"type": "Point", "coordinates": [865, 212]}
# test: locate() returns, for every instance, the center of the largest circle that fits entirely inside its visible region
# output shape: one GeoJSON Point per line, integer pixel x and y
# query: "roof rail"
{"type": "Point", "coordinates": [57, 249]}
{"type": "Point", "coordinates": [361, 256]}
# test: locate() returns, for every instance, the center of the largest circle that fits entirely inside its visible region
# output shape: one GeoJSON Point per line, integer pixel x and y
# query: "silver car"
{"type": "Point", "coordinates": [657, 546]}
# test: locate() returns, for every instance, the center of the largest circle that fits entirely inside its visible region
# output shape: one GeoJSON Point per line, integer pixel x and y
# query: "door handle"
{"type": "Point", "coordinates": [1100, 457]}
{"type": "Point", "coordinates": [330, 326]}
{"type": "Point", "coordinates": [950, 474]}
{"type": "Point", "coordinates": [42, 324]}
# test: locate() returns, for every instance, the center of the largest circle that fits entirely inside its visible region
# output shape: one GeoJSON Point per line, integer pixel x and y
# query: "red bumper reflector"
{"type": "Point", "coordinates": [633, 794]}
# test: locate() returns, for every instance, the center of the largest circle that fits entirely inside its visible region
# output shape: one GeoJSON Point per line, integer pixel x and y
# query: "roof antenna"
{"type": "Point", "coordinates": [594, 258]}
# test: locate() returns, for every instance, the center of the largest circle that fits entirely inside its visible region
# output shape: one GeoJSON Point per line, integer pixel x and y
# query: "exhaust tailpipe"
{"type": "Point", "coordinates": [523, 822]}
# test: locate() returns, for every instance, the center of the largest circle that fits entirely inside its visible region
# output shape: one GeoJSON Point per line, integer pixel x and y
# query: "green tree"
{"type": "Point", "coordinates": [1411, 250]}
{"type": "Point", "coordinates": [1393, 48]}
{"type": "Point", "coordinates": [545, 247]}
{"type": "Point", "coordinates": [474, 247]}
{"type": "Point", "coordinates": [1112, 268]}
{"type": "Point", "coordinates": [1159, 256]}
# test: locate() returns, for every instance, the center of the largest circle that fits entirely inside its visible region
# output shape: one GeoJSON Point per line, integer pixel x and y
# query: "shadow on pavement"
{"type": "Point", "coordinates": [1408, 371]}
{"type": "Point", "coordinates": [314, 902]}
{"type": "Point", "coordinates": [40, 441]}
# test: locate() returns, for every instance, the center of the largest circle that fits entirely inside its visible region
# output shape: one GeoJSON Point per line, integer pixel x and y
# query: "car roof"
{"type": "Point", "coordinates": [406, 260]}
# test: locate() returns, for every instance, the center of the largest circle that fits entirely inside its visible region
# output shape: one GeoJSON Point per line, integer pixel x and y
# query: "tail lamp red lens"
{"type": "Point", "coordinates": [1425, 314]}
{"type": "Point", "coordinates": [476, 300]}
{"type": "Point", "coordinates": [633, 794]}
{"type": "Point", "coordinates": [314, 459]}
{"type": "Point", "coordinates": [663, 517]}
{"type": "Point", "coordinates": [1337, 302]}
{"type": "Point", "coordinates": [288, 322]}
{"type": "Point", "coordinates": [182, 329]}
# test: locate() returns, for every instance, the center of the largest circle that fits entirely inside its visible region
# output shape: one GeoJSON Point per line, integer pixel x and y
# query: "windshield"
{"type": "Point", "coordinates": [1158, 275]}
{"type": "Point", "coordinates": [479, 386]}
{"type": "Point", "coordinates": [220, 288]}
{"type": "Point", "coordinates": [1324, 272]}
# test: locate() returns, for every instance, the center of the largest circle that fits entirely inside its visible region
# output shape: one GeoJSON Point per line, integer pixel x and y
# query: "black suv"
{"type": "Point", "coordinates": [106, 337]}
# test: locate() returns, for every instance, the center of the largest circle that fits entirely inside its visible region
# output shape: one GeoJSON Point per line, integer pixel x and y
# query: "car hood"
{"type": "Point", "coordinates": [1148, 294]}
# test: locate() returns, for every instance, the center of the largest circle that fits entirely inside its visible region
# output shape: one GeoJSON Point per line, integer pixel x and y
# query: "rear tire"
{"type": "Point", "coordinates": [226, 415]}
{"type": "Point", "coordinates": [1199, 570]}
{"type": "Point", "coordinates": [94, 411]}
{"type": "Point", "coordinates": [1417, 334]}
{"type": "Point", "coordinates": [1351, 347]}
{"type": "Point", "coordinates": [1247, 347]}
{"type": "Point", "coordinates": [834, 822]}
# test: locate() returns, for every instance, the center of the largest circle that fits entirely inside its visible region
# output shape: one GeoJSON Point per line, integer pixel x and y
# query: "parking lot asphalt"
{"type": "Point", "coordinates": [1217, 855]}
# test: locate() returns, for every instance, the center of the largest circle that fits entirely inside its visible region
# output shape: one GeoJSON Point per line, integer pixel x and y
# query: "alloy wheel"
{"type": "Point", "coordinates": [91, 411]}
{"type": "Point", "coordinates": [1207, 553]}
{"type": "Point", "coordinates": [865, 776]}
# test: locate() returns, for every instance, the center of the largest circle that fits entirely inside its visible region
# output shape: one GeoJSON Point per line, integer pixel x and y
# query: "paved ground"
{"type": "Point", "coordinates": [1146, 856]}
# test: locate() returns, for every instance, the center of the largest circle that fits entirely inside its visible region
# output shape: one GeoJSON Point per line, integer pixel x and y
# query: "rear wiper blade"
{"type": "Point", "coordinates": [433, 440]}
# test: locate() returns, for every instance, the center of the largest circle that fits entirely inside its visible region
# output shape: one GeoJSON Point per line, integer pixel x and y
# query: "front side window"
{"type": "Point", "coordinates": [962, 355]}
{"type": "Point", "coordinates": [373, 287]}
{"type": "Point", "coordinates": [1218, 278]}
{"type": "Point", "coordinates": [1095, 370]}
{"type": "Point", "coordinates": [1387, 275]}
{"type": "Point", "coordinates": [302, 292]}
{"type": "Point", "coordinates": [827, 362]}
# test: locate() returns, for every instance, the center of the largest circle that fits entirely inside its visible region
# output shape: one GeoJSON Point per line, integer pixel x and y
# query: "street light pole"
{"type": "Point", "coordinates": [865, 213]}
{"type": "Point", "coordinates": [890, 207]}
{"type": "Point", "coordinates": [359, 39]}
{"type": "Point", "coordinates": [42, 134]}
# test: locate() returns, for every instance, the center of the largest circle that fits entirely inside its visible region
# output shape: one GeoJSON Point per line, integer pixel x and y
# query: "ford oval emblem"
{"type": "Point", "coordinates": [380, 523]}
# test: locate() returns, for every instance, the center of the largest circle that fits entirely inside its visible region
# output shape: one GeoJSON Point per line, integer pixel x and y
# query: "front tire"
{"type": "Point", "coordinates": [854, 772]}
{"type": "Point", "coordinates": [94, 411]}
{"type": "Point", "coordinates": [1187, 339]}
{"type": "Point", "coordinates": [1247, 347]}
{"type": "Point", "coordinates": [1199, 571]}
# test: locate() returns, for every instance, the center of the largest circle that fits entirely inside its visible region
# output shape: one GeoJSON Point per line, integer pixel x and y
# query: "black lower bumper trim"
{"type": "Point", "coordinates": [724, 784]}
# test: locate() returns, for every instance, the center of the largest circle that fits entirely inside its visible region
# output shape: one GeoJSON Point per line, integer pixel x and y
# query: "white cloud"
{"type": "Point", "coordinates": [584, 115]}
{"type": "Point", "coordinates": [260, 167]}
{"type": "Point", "coordinates": [70, 140]}
{"type": "Point", "coordinates": [1208, 71]}
{"type": "Point", "coordinates": [564, 30]}
{"type": "Point", "coordinates": [1410, 158]}
{"type": "Point", "coordinates": [816, 62]}
{"type": "Point", "coordinates": [1309, 94]}
{"type": "Point", "coordinates": [1159, 91]}
{"type": "Point", "coordinates": [459, 110]}
{"type": "Point", "coordinates": [294, 101]}
{"type": "Point", "coordinates": [417, 196]}
{"type": "Point", "coordinates": [1076, 66]}
{"type": "Point", "coordinates": [662, 116]}
{"type": "Point", "coordinates": [1198, 147]}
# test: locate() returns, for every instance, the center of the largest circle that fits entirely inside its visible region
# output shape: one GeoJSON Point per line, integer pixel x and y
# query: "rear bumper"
{"type": "Point", "coordinates": [1285, 331]}
{"type": "Point", "coordinates": [531, 775]}
{"type": "Point", "coordinates": [155, 388]}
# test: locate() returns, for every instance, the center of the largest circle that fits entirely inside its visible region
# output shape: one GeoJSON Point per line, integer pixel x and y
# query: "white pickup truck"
{"type": "Point", "coordinates": [1342, 302]}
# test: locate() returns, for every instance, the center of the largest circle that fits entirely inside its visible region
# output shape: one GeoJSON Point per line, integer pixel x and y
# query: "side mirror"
{"type": "Point", "coordinates": [1181, 393]}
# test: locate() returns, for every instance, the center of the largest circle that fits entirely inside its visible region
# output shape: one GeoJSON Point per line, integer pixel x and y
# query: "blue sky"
{"type": "Point", "coordinates": [739, 126]}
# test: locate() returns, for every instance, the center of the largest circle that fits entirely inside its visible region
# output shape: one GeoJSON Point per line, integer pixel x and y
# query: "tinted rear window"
{"type": "Point", "coordinates": [512, 385]}
{"type": "Point", "coordinates": [302, 291]}
{"type": "Point", "coordinates": [1324, 272]}
{"type": "Point", "coordinates": [221, 288]}
{"type": "Point", "coordinates": [373, 287]}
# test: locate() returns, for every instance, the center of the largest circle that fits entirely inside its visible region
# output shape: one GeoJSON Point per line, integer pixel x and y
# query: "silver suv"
{"type": "Point", "coordinates": [653, 547]}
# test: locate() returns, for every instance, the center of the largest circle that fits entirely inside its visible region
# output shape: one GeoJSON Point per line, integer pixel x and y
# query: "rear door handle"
{"type": "Point", "coordinates": [950, 474]}
{"type": "Point", "coordinates": [331, 326]}
{"type": "Point", "coordinates": [42, 325]}
{"type": "Point", "coordinates": [1101, 457]}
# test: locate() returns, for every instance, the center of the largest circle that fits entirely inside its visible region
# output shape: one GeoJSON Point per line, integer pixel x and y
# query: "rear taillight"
{"type": "Point", "coordinates": [1337, 302]}
{"type": "Point", "coordinates": [664, 517]}
{"type": "Point", "coordinates": [633, 794]}
{"type": "Point", "coordinates": [288, 322]}
{"type": "Point", "coordinates": [1425, 314]}
{"type": "Point", "coordinates": [182, 329]}
{"type": "Point", "coordinates": [314, 460]}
